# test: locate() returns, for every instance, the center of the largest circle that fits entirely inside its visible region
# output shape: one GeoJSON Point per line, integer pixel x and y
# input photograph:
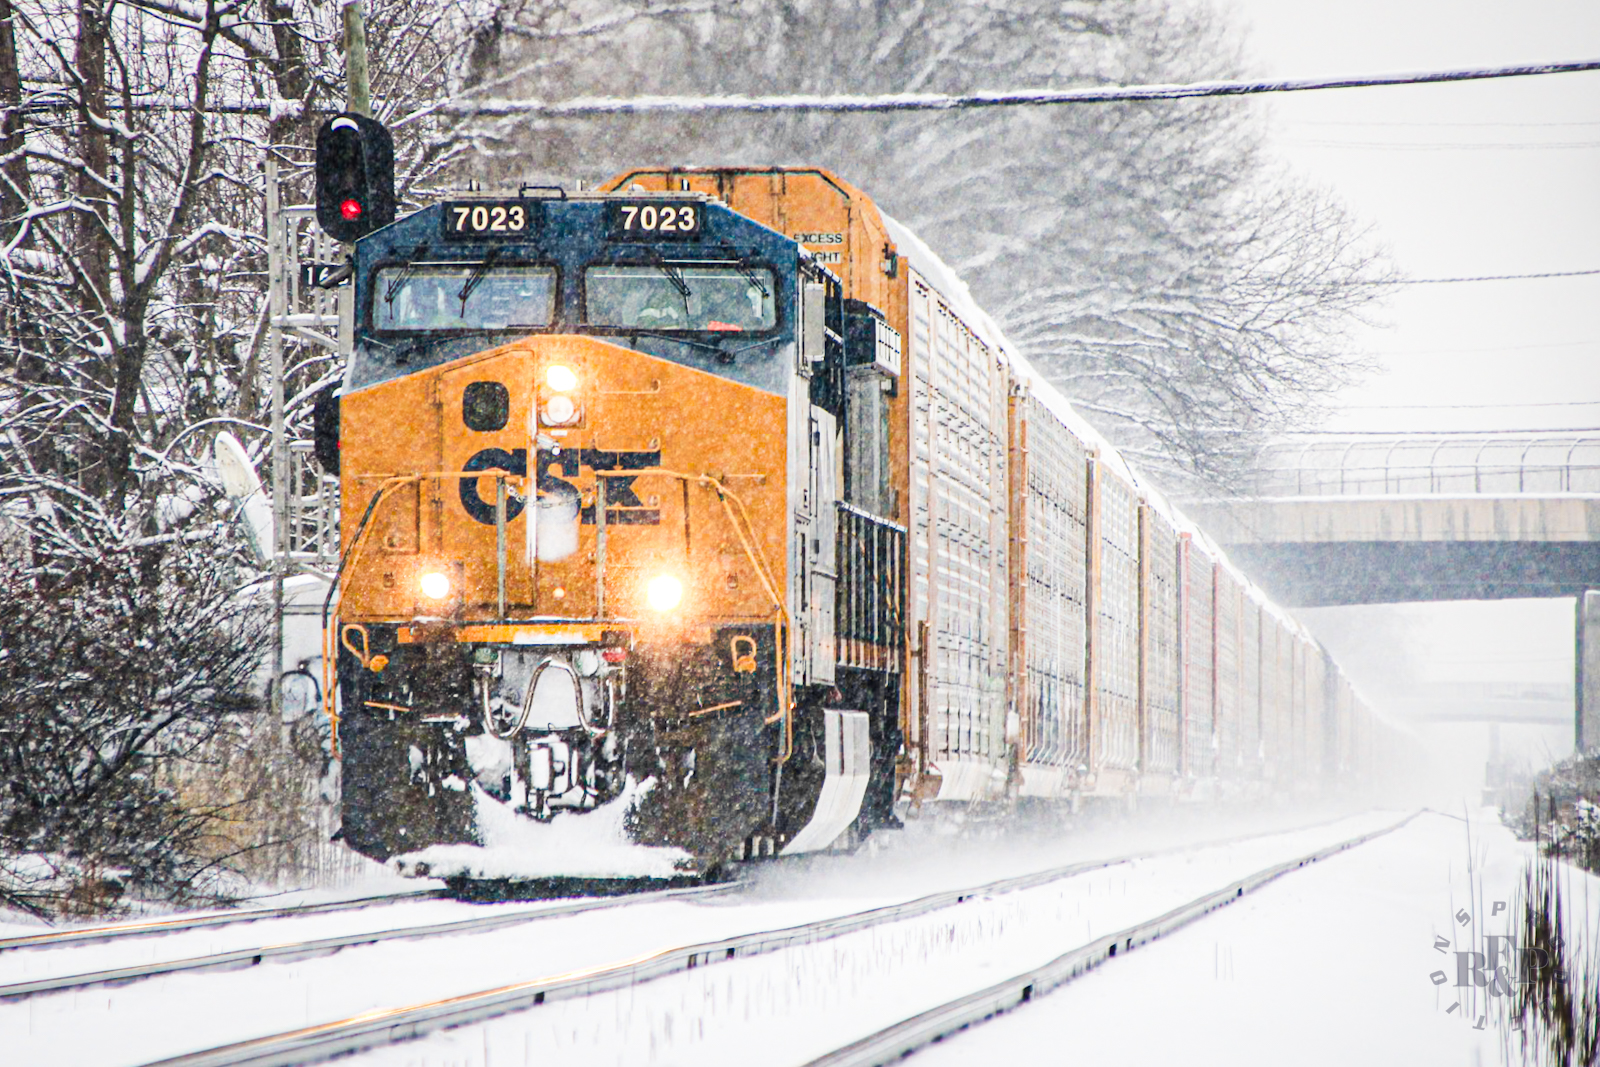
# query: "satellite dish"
{"type": "Point", "coordinates": [239, 481]}
{"type": "Point", "coordinates": [233, 463]}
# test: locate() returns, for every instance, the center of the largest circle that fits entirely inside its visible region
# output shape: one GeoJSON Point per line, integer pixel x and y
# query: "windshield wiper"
{"type": "Point", "coordinates": [742, 265]}
{"type": "Point", "coordinates": [674, 275]}
{"type": "Point", "coordinates": [406, 272]}
{"type": "Point", "coordinates": [480, 272]}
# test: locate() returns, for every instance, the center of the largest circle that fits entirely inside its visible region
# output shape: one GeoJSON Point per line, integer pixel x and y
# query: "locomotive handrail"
{"type": "Point", "coordinates": [347, 562]}
{"type": "Point", "coordinates": [758, 560]}
{"type": "Point", "coordinates": [744, 531]}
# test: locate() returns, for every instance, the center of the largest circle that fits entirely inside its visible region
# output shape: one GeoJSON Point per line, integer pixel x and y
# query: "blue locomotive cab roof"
{"type": "Point", "coordinates": [680, 277]}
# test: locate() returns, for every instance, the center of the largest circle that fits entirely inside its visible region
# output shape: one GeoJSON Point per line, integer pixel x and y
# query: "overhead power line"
{"type": "Point", "coordinates": [887, 102]}
{"type": "Point", "coordinates": [1481, 278]}
{"type": "Point", "coordinates": [1438, 124]}
{"type": "Point", "coordinates": [1448, 146]}
{"type": "Point", "coordinates": [1459, 407]}
{"type": "Point", "coordinates": [1441, 433]}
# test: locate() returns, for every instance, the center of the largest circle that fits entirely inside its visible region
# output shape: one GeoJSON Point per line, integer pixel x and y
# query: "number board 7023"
{"type": "Point", "coordinates": [486, 220]}
{"type": "Point", "coordinates": [654, 220]}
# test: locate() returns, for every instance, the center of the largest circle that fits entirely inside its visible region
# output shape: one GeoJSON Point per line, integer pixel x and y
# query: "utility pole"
{"type": "Point", "coordinates": [276, 308]}
{"type": "Point", "coordinates": [359, 93]}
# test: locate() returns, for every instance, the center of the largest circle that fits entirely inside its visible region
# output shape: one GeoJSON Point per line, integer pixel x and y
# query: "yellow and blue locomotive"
{"type": "Point", "coordinates": [594, 497]}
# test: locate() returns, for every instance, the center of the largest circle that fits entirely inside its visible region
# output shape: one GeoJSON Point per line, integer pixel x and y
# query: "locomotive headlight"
{"type": "Point", "coordinates": [664, 592]}
{"type": "Point", "coordinates": [435, 585]}
{"type": "Point", "coordinates": [560, 379]}
{"type": "Point", "coordinates": [560, 410]}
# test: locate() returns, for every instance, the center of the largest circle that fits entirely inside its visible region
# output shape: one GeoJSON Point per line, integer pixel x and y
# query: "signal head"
{"type": "Point", "coordinates": [355, 176]}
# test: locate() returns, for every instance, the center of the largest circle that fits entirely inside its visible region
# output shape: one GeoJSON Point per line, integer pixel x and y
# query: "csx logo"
{"type": "Point", "coordinates": [625, 507]}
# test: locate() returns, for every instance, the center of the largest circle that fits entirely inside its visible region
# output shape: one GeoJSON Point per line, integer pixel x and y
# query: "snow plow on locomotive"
{"type": "Point", "coordinates": [712, 495]}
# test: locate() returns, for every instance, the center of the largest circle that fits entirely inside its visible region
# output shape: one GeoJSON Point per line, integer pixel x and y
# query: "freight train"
{"type": "Point", "coordinates": [713, 494]}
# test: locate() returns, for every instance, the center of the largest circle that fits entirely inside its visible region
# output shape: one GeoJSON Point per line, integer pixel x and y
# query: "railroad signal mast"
{"type": "Point", "coordinates": [310, 300]}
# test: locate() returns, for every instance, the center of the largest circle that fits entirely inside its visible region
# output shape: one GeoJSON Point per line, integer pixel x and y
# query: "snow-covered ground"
{"type": "Point", "coordinates": [793, 1006]}
{"type": "Point", "coordinates": [1336, 964]}
{"type": "Point", "coordinates": [145, 1020]}
{"type": "Point", "coordinates": [33, 964]}
{"type": "Point", "coordinates": [1330, 964]}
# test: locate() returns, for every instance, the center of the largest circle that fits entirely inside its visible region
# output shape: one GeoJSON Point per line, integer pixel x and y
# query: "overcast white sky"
{"type": "Point", "coordinates": [1498, 177]}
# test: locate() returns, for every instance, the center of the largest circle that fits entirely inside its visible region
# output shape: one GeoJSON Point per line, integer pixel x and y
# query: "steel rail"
{"type": "Point", "coordinates": [892, 1043]}
{"type": "Point", "coordinates": [327, 945]}
{"type": "Point", "coordinates": [386, 1026]}
{"type": "Point", "coordinates": [155, 927]}
{"type": "Point", "coordinates": [371, 1029]}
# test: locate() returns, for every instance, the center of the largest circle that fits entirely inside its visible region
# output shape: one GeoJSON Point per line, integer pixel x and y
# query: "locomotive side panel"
{"type": "Point", "coordinates": [958, 566]}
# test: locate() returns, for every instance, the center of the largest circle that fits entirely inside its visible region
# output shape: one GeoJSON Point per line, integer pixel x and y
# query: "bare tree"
{"type": "Point", "coordinates": [1188, 295]}
{"type": "Point", "coordinates": [131, 329]}
{"type": "Point", "coordinates": [134, 655]}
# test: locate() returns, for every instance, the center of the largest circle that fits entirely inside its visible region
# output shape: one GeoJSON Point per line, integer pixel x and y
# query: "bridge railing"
{"type": "Point", "coordinates": [1442, 465]}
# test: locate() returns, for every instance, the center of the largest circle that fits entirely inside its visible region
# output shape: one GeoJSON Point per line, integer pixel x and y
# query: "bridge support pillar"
{"type": "Point", "coordinates": [1587, 702]}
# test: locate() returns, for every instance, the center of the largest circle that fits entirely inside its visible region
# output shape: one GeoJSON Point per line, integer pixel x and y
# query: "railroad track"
{"type": "Point", "coordinates": [901, 1039]}
{"type": "Point", "coordinates": [372, 1029]}
{"type": "Point", "coordinates": [156, 927]}
{"type": "Point", "coordinates": [307, 949]}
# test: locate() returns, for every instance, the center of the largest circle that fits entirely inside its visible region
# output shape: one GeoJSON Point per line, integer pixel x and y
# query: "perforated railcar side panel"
{"type": "Point", "coordinates": [1317, 711]}
{"type": "Point", "coordinates": [1283, 703]}
{"type": "Point", "coordinates": [1116, 660]}
{"type": "Point", "coordinates": [1228, 699]}
{"type": "Point", "coordinates": [1161, 647]}
{"type": "Point", "coordinates": [1270, 690]}
{"type": "Point", "coordinates": [1338, 727]}
{"type": "Point", "coordinates": [1057, 528]}
{"type": "Point", "coordinates": [1296, 711]}
{"type": "Point", "coordinates": [1197, 584]}
{"type": "Point", "coordinates": [1250, 689]}
{"type": "Point", "coordinates": [958, 536]}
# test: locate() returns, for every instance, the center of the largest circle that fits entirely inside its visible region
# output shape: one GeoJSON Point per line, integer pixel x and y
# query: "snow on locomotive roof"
{"type": "Point", "coordinates": [956, 293]}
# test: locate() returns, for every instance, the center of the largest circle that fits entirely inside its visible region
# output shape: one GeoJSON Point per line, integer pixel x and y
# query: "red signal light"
{"type": "Point", "coordinates": [350, 209]}
{"type": "Point", "coordinates": [614, 655]}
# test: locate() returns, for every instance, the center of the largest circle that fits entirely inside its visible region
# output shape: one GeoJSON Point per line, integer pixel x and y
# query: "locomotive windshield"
{"type": "Point", "coordinates": [462, 296]}
{"type": "Point", "coordinates": [669, 297]}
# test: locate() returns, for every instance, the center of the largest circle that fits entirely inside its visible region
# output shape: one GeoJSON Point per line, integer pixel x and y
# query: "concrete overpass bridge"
{"type": "Point", "coordinates": [1391, 519]}
{"type": "Point", "coordinates": [1386, 520]}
